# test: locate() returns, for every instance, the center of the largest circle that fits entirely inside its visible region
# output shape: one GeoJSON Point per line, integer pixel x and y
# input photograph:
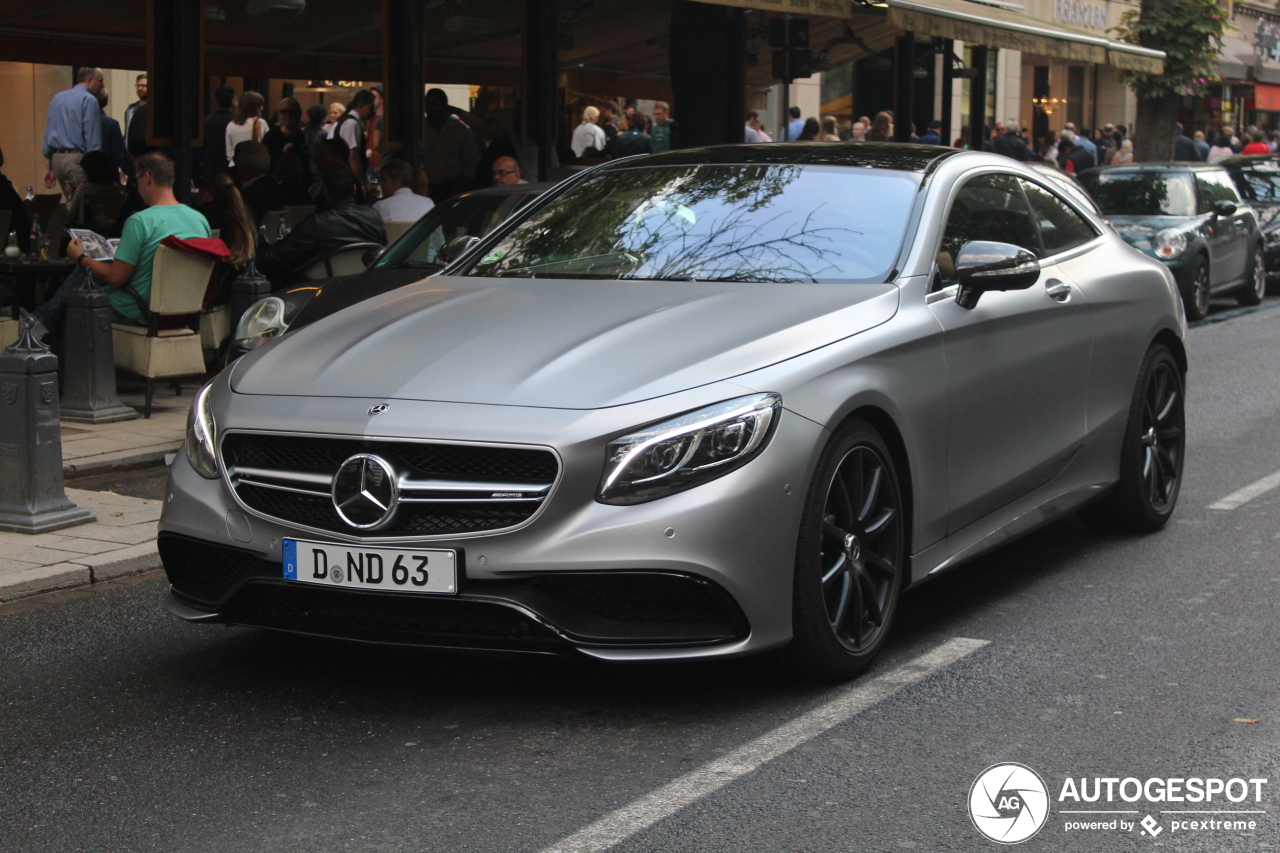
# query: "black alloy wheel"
{"type": "Point", "coordinates": [1256, 282]}
{"type": "Point", "coordinates": [1197, 297]}
{"type": "Point", "coordinates": [1151, 456]}
{"type": "Point", "coordinates": [850, 558]}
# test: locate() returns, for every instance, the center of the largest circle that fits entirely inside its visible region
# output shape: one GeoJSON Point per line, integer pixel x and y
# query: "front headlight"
{"type": "Point", "coordinates": [687, 451]}
{"type": "Point", "coordinates": [270, 317]}
{"type": "Point", "coordinates": [201, 434]}
{"type": "Point", "coordinates": [1169, 243]}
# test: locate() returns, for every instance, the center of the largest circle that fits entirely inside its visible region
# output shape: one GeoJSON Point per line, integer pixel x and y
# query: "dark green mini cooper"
{"type": "Point", "coordinates": [1191, 217]}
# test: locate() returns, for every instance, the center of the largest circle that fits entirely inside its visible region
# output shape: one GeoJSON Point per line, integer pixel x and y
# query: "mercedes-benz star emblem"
{"type": "Point", "coordinates": [378, 409]}
{"type": "Point", "coordinates": [365, 491]}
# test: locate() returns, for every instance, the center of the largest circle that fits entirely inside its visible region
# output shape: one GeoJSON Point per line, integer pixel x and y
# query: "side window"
{"type": "Point", "coordinates": [1209, 191]}
{"type": "Point", "coordinates": [988, 207]}
{"type": "Point", "coordinates": [1061, 228]}
{"type": "Point", "coordinates": [1226, 187]}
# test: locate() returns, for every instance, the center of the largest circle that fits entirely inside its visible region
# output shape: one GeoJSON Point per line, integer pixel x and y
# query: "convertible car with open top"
{"type": "Point", "coordinates": [703, 403]}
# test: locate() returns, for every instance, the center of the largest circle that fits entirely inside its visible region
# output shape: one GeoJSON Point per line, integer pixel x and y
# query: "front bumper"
{"type": "Point", "coordinates": [707, 572]}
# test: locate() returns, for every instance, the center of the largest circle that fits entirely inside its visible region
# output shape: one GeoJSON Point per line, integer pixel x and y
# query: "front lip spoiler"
{"type": "Point", "coordinates": [188, 613]}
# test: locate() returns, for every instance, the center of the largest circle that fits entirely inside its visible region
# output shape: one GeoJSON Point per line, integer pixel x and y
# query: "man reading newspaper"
{"type": "Point", "coordinates": [143, 232]}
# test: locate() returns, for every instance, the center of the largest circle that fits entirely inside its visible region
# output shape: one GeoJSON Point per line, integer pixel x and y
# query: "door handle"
{"type": "Point", "coordinates": [1059, 291]}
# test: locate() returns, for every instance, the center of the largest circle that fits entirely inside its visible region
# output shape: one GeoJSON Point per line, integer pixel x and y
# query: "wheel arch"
{"type": "Point", "coordinates": [1170, 339]}
{"type": "Point", "coordinates": [884, 424]}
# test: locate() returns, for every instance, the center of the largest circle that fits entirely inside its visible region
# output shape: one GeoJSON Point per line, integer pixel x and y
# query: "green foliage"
{"type": "Point", "coordinates": [1189, 32]}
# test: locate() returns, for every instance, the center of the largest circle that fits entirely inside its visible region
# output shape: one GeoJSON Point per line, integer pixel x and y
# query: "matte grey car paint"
{"type": "Point", "coordinates": [1009, 414]}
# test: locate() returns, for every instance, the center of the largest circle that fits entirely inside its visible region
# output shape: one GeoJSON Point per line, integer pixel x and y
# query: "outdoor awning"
{"type": "Point", "coordinates": [957, 19]}
{"type": "Point", "coordinates": [1239, 61]}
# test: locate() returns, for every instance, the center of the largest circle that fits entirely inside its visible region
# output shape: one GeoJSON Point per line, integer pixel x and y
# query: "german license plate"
{"type": "Point", "coordinates": [399, 570]}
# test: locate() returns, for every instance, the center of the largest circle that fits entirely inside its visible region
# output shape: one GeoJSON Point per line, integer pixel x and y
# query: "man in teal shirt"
{"type": "Point", "coordinates": [143, 232]}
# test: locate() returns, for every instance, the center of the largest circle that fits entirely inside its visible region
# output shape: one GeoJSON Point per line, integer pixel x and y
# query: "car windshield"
{"type": "Point", "coordinates": [474, 214]}
{"type": "Point", "coordinates": [753, 222]}
{"type": "Point", "coordinates": [1258, 181]}
{"type": "Point", "coordinates": [1128, 193]}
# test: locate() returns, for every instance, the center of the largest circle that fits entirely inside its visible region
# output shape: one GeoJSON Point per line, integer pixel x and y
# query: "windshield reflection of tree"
{"type": "Point", "coordinates": [1149, 195]}
{"type": "Point", "coordinates": [703, 223]}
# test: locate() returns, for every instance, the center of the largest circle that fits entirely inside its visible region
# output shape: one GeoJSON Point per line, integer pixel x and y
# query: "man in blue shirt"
{"type": "Point", "coordinates": [73, 128]}
{"type": "Point", "coordinates": [664, 135]}
{"type": "Point", "coordinates": [932, 136]}
{"type": "Point", "coordinates": [795, 126]}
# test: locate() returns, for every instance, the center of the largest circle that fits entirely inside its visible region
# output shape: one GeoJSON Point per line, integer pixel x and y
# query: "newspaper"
{"type": "Point", "coordinates": [97, 247]}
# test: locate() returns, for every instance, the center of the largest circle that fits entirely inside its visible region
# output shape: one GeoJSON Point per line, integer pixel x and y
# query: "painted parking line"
{"type": "Point", "coordinates": [1240, 497]}
{"type": "Point", "coordinates": [620, 825]}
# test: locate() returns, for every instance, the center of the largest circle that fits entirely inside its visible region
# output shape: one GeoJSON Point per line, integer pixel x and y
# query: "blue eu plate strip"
{"type": "Point", "coordinates": [290, 559]}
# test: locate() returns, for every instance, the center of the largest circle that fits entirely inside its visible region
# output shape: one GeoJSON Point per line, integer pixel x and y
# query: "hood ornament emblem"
{"type": "Point", "coordinates": [378, 409]}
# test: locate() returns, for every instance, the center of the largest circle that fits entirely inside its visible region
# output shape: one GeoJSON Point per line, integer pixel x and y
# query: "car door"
{"type": "Point", "coordinates": [1226, 252]}
{"type": "Point", "coordinates": [1017, 363]}
{"type": "Point", "coordinates": [1243, 221]}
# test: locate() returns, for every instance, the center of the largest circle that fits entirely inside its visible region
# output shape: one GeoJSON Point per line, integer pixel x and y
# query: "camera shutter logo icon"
{"type": "Point", "coordinates": [1009, 803]}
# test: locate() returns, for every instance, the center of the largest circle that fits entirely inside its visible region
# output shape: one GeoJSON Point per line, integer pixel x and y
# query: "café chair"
{"type": "Point", "coordinates": [395, 230]}
{"type": "Point", "coordinates": [179, 281]}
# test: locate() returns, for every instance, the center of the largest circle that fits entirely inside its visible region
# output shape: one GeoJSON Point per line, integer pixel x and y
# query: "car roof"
{"type": "Point", "coordinates": [868, 155]}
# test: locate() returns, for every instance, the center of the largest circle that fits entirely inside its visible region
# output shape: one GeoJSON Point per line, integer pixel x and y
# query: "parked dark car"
{"type": "Point", "coordinates": [1191, 217]}
{"type": "Point", "coordinates": [413, 257]}
{"type": "Point", "coordinates": [1258, 179]}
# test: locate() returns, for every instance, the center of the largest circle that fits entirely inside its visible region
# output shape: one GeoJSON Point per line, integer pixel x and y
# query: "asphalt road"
{"type": "Point", "coordinates": [123, 729]}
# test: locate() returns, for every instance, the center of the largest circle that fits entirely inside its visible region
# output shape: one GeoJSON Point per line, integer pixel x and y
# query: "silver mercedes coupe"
{"type": "Point", "coordinates": [689, 405]}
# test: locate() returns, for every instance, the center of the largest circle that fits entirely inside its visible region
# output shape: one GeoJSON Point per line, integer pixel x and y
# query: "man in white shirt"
{"type": "Point", "coordinates": [350, 129]}
{"type": "Point", "coordinates": [399, 202]}
{"type": "Point", "coordinates": [749, 131]}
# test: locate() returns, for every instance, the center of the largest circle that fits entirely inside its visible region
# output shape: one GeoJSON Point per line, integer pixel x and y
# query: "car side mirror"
{"type": "Point", "coordinates": [455, 248]}
{"type": "Point", "coordinates": [1224, 208]}
{"type": "Point", "coordinates": [982, 265]}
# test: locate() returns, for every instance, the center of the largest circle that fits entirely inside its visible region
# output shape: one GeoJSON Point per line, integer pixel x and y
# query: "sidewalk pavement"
{"type": "Point", "coordinates": [88, 448]}
{"type": "Point", "coordinates": [122, 541]}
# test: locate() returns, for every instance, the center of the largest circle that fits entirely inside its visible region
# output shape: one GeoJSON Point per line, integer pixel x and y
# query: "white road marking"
{"type": "Point", "coordinates": [1240, 497]}
{"type": "Point", "coordinates": [620, 825]}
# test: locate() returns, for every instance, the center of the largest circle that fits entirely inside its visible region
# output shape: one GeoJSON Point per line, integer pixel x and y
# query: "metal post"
{"type": "Point", "coordinates": [91, 372]}
{"type": "Point", "coordinates": [402, 72]}
{"type": "Point", "coordinates": [904, 86]}
{"type": "Point", "coordinates": [32, 499]}
{"type": "Point", "coordinates": [785, 130]}
{"type": "Point", "coordinates": [948, 87]}
{"type": "Point", "coordinates": [175, 67]}
{"type": "Point", "coordinates": [977, 97]}
{"type": "Point", "coordinates": [540, 56]}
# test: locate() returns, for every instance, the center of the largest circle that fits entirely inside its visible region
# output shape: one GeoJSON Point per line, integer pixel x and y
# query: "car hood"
{"type": "Point", "coordinates": [571, 344]}
{"type": "Point", "coordinates": [1137, 231]}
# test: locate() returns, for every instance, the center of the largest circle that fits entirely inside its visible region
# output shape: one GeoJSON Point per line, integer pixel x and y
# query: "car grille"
{"type": "Point", "coordinates": [383, 617]}
{"type": "Point", "coordinates": [445, 489]}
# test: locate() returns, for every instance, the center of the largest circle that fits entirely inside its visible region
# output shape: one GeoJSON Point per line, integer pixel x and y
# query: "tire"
{"type": "Point", "coordinates": [1196, 299]}
{"type": "Point", "coordinates": [850, 557]}
{"type": "Point", "coordinates": [1256, 282]}
{"type": "Point", "coordinates": [1151, 455]}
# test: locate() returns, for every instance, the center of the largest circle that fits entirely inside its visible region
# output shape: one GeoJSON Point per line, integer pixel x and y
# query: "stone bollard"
{"type": "Point", "coordinates": [32, 499]}
{"type": "Point", "coordinates": [90, 395]}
